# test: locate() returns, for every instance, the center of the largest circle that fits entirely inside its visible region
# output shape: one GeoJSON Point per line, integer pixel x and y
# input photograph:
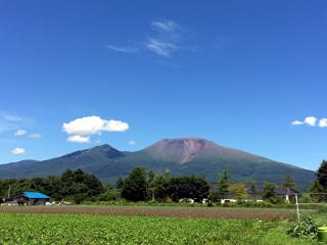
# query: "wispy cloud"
{"type": "Point", "coordinates": [122, 49]}
{"type": "Point", "coordinates": [9, 122]}
{"type": "Point", "coordinates": [167, 26]}
{"type": "Point", "coordinates": [311, 121]}
{"type": "Point", "coordinates": [164, 39]}
{"type": "Point", "coordinates": [160, 47]}
{"type": "Point", "coordinates": [11, 117]}
{"type": "Point", "coordinates": [34, 136]}
{"type": "Point", "coordinates": [132, 142]}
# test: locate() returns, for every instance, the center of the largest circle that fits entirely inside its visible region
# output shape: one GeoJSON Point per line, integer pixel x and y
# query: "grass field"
{"type": "Point", "coordinates": [77, 226]}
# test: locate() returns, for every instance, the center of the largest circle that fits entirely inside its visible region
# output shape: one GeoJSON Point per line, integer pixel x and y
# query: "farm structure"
{"type": "Point", "coordinates": [28, 199]}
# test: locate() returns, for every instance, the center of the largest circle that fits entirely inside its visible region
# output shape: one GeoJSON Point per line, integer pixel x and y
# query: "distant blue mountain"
{"type": "Point", "coordinates": [186, 156]}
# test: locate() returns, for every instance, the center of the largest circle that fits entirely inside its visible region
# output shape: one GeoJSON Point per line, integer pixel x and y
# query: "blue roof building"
{"type": "Point", "coordinates": [35, 195]}
{"type": "Point", "coordinates": [30, 198]}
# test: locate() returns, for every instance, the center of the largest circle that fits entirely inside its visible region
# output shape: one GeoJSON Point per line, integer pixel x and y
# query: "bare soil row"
{"type": "Point", "coordinates": [178, 212]}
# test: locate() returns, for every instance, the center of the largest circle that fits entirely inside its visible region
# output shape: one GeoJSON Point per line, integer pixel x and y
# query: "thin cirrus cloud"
{"type": "Point", "coordinates": [24, 133]}
{"type": "Point", "coordinates": [164, 40]}
{"type": "Point", "coordinates": [127, 50]}
{"type": "Point", "coordinates": [167, 26]}
{"type": "Point", "coordinates": [34, 136]}
{"type": "Point", "coordinates": [9, 121]}
{"type": "Point", "coordinates": [11, 117]}
{"type": "Point", "coordinates": [161, 48]}
{"type": "Point", "coordinates": [18, 151]}
{"type": "Point", "coordinates": [81, 129]}
{"type": "Point", "coordinates": [311, 121]}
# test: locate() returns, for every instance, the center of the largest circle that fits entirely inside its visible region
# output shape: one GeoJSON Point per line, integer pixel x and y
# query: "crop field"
{"type": "Point", "coordinates": [82, 225]}
{"type": "Point", "coordinates": [178, 212]}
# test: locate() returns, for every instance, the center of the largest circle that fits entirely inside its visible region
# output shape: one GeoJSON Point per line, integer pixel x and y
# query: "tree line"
{"type": "Point", "coordinates": [144, 185]}
{"type": "Point", "coordinates": [73, 185]}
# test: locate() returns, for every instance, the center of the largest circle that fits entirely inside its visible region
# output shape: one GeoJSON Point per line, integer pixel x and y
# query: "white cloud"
{"type": "Point", "coordinates": [18, 151]}
{"type": "Point", "coordinates": [161, 48]}
{"type": "Point", "coordinates": [323, 123]}
{"type": "Point", "coordinates": [79, 139]}
{"type": "Point", "coordinates": [132, 142]}
{"type": "Point", "coordinates": [115, 126]}
{"type": "Point", "coordinates": [80, 129]}
{"type": "Point", "coordinates": [34, 136]}
{"type": "Point", "coordinates": [165, 39]}
{"type": "Point", "coordinates": [20, 132]}
{"type": "Point", "coordinates": [311, 121]}
{"type": "Point", "coordinates": [86, 126]}
{"type": "Point", "coordinates": [121, 49]}
{"type": "Point", "coordinates": [168, 26]}
{"type": "Point", "coordinates": [297, 122]}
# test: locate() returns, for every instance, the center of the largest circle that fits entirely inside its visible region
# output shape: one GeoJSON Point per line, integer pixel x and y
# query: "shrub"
{"type": "Point", "coordinates": [306, 228]}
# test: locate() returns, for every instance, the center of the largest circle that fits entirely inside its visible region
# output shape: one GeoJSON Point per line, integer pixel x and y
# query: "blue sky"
{"type": "Point", "coordinates": [235, 72]}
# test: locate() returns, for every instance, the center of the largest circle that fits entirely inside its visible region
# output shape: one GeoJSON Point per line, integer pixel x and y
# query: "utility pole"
{"type": "Point", "coordinates": [9, 189]}
{"type": "Point", "coordinates": [297, 207]}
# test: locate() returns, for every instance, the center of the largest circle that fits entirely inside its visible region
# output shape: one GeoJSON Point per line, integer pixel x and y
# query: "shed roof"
{"type": "Point", "coordinates": [35, 195]}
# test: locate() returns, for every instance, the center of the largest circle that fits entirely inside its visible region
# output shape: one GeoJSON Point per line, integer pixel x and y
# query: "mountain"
{"type": "Point", "coordinates": [185, 156]}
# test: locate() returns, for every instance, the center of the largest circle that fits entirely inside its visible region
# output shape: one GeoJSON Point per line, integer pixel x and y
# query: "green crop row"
{"type": "Point", "coordinates": [87, 229]}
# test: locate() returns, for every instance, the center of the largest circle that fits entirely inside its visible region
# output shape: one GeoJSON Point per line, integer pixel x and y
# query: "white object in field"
{"type": "Point", "coordinates": [205, 201]}
{"type": "Point", "coordinates": [259, 200]}
{"type": "Point", "coordinates": [186, 200]}
{"type": "Point", "coordinates": [223, 201]}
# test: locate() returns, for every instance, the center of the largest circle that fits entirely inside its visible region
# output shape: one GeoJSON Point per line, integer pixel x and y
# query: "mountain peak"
{"type": "Point", "coordinates": [181, 150]}
{"type": "Point", "coordinates": [104, 147]}
{"type": "Point", "coordinates": [103, 150]}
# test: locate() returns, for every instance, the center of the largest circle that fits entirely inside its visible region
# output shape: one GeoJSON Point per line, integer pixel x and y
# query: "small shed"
{"type": "Point", "coordinates": [31, 198]}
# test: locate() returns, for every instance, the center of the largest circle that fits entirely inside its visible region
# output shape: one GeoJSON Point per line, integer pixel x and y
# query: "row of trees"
{"type": "Point", "coordinates": [73, 185]}
{"type": "Point", "coordinates": [143, 185]}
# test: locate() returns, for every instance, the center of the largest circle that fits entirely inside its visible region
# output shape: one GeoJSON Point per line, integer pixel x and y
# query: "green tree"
{"type": "Point", "coordinates": [150, 185]}
{"type": "Point", "coordinates": [193, 187]}
{"type": "Point", "coordinates": [316, 190]}
{"type": "Point", "coordinates": [110, 194]}
{"type": "Point", "coordinates": [319, 187]}
{"type": "Point", "coordinates": [253, 188]}
{"type": "Point", "coordinates": [135, 186]}
{"type": "Point", "coordinates": [223, 184]}
{"type": "Point", "coordinates": [269, 192]}
{"type": "Point", "coordinates": [239, 190]}
{"type": "Point", "coordinates": [322, 175]}
{"type": "Point", "coordinates": [289, 183]}
{"type": "Point", "coordinates": [120, 183]}
{"type": "Point", "coordinates": [161, 185]}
